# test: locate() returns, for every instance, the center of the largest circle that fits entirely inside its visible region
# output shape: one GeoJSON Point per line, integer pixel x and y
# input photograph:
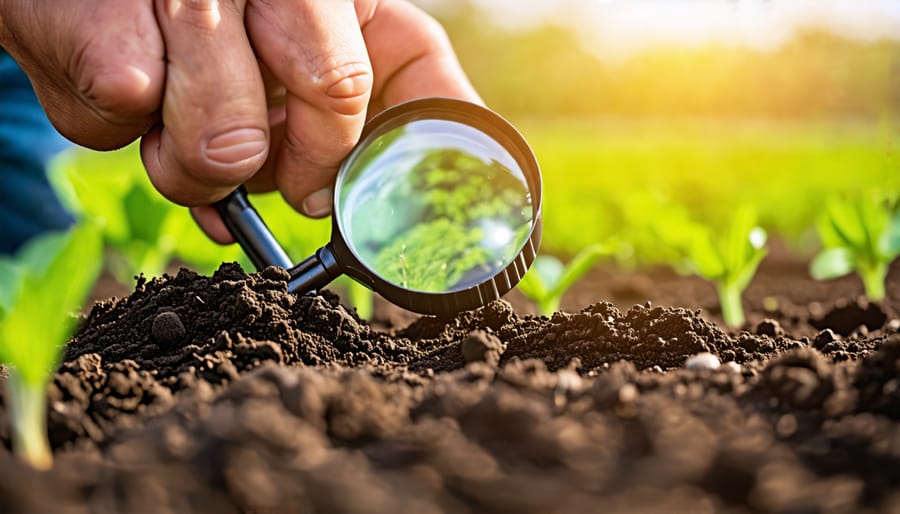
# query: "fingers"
{"type": "Point", "coordinates": [214, 132]}
{"type": "Point", "coordinates": [211, 223]}
{"type": "Point", "coordinates": [318, 53]}
{"type": "Point", "coordinates": [97, 66]}
{"type": "Point", "coordinates": [411, 56]}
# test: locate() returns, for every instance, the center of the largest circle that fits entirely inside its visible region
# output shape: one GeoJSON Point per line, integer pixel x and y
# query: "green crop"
{"type": "Point", "coordinates": [859, 233]}
{"type": "Point", "coordinates": [142, 230]}
{"type": "Point", "coordinates": [548, 279]}
{"type": "Point", "coordinates": [431, 256]}
{"type": "Point", "coordinates": [728, 258]}
{"type": "Point", "coordinates": [41, 287]}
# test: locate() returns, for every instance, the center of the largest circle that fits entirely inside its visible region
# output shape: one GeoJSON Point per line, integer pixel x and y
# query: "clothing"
{"type": "Point", "coordinates": [28, 204]}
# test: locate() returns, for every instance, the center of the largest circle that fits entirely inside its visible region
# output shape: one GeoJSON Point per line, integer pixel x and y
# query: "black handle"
{"type": "Point", "coordinates": [315, 272]}
{"type": "Point", "coordinates": [251, 231]}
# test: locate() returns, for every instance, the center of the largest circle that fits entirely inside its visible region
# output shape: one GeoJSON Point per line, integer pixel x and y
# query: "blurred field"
{"type": "Point", "coordinates": [630, 178]}
{"type": "Point", "coordinates": [636, 147]}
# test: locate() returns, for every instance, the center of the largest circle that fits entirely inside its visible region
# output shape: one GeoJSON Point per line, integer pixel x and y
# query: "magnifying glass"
{"type": "Point", "coordinates": [437, 208]}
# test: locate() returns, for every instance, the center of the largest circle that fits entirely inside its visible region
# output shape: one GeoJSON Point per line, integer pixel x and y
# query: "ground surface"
{"type": "Point", "coordinates": [226, 394]}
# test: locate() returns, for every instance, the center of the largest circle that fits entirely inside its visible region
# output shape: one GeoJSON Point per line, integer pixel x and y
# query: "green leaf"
{"type": "Point", "coordinates": [548, 279]}
{"type": "Point", "coordinates": [891, 245]}
{"type": "Point", "coordinates": [738, 246]}
{"type": "Point", "coordinates": [532, 286]}
{"type": "Point", "coordinates": [92, 185]}
{"type": "Point", "coordinates": [704, 258]}
{"type": "Point", "coordinates": [39, 321]}
{"type": "Point", "coordinates": [833, 263]}
{"type": "Point", "coordinates": [10, 282]}
{"type": "Point", "coordinates": [146, 212]}
{"type": "Point", "coordinates": [842, 225]}
{"type": "Point", "coordinates": [745, 273]}
{"type": "Point", "coordinates": [577, 268]}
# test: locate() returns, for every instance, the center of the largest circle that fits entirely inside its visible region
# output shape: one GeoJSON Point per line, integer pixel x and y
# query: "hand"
{"type": "Point", "coordinates": [184, 75]}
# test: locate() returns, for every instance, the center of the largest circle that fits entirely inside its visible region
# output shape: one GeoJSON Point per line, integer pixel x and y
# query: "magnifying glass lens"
{"type": "Point", "coordinates": [437, 208]}
{"type": "Point", "coordinates": [433, 206]}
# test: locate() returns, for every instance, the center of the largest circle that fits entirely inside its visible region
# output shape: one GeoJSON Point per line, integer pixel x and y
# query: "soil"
{"type": "Point", "coordinates": [227, 394]}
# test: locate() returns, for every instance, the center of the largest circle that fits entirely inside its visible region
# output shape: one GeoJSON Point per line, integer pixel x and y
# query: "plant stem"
{"type": "Point", "coordinates": [548, 306]}
{"type": "Point", "coordinates": [730, 301]}
{"type": "Point", "coordinates": [873, 278]}
{"type": "Point", "coordinates": [28, 412]}
{"type": "Point", "coordinates": [361, 297]}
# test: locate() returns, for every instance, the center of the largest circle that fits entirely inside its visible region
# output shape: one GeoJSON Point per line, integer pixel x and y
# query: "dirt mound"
{"type": "Point", "coordinates": [227, 394]}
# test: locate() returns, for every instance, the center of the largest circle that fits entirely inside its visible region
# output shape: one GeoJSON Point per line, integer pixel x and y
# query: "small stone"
{"type": "Point", "coordinates": [892, 326]}
{"type": "Point", "coordinates": [167, 329]}
{"type": "Point", "coordinates": [823, 338]}
{"type": "Point", "coordinates": [786, 425]}
{"type": "Point", "coordinates": [276, 273]}
{"type": "Point", "coordinates": [769, 327]}
{"type": "Point", "coordinates": [628, 393]}
{"type": "Point", "coordinates": [480, 346]}
{"type": "Point", "coordinates": [702, 361]}
{"type": "Point", "coordinates": [734, 367]}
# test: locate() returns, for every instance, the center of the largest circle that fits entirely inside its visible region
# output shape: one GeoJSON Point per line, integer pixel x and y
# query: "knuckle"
{"type": "Point", "coordinates": [201, 14]}
{"type": "Point", "coordinates": [430, 33]}
{"type": "Point", "coordinates": [346, 88]}
{"type": "Point", "coordinates": [214, 174]}
{"type": "Point", "coordinates": [115, 89]}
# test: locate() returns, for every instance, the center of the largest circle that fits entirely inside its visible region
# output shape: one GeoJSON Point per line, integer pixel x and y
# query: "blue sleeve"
{"type": "Point", "coordinates": [28, 205]}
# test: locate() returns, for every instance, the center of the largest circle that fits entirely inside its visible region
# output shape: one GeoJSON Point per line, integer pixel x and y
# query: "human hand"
{"type": "Point", "coordinates": [352, 61]}
{"type": "Point", "coordinates": [184, 75]}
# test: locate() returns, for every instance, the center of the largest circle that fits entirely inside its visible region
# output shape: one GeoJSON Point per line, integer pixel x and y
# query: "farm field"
{"type": "Point", "coordinates": [619, 178]}
{"type": "Point", "coordinates": [627, 180]}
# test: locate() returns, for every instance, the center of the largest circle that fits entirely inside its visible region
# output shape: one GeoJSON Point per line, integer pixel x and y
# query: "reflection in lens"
{"type": "Point", "coordinates": [434, 206]}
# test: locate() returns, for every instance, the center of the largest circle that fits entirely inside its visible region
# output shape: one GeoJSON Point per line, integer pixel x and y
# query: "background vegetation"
{"type": "Point", "coordinates": [637, 150]}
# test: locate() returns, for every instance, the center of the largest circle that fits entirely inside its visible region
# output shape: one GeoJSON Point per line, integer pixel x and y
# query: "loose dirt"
{"type": "Point", "coordinates": [227, 394]}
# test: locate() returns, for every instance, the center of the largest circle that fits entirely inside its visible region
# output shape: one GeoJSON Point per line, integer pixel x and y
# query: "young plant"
{"type": "Point", "coordinates": [143, 231]}
{"type": "Point", "coordinates": [728, 259]}
{"type": "Point", "coordinates": [548, 279]}
{"type": "Point", "coordinates": [42, 286]}
{"type": "Point", "coordinates": [860, 234]}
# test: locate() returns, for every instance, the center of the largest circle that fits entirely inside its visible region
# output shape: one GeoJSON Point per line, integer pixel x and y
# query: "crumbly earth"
{"type": "Point", "coordinates": [227, 394]}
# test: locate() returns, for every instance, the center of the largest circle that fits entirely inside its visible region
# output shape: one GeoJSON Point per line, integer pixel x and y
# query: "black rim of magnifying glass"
{"type": "Point", "coordinates": [337, 258]}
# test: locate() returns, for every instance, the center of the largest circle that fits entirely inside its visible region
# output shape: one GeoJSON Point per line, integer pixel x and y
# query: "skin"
{"type": "Point", "coordinates": [271, 93]}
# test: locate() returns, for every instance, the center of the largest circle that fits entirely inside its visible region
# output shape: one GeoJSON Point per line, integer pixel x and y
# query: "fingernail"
{"type": "Point", "coordinates": [236, 146]}
{"type": "Point", "coordinates": [318, 204]}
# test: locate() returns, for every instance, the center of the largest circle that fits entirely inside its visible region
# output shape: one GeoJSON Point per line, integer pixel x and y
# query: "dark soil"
{"type": "Point", "coordinates": [227, 394]}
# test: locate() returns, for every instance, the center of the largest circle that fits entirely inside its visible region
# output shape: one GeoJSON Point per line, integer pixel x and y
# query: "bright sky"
{"type": "Point", "coordinates": [616, 27]}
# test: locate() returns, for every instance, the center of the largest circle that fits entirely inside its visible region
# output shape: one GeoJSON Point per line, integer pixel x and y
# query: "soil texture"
{"type": "Point", "coordinates": [228, 394]}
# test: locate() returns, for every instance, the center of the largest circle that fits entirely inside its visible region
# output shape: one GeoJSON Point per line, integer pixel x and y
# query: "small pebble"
{"type": "Point", "coordinates": [167, 329]}
{"type": "Point", "coordinates": [824, 337]}
{"type": "Point", "coordinates": [733, 366]}
{"type": "Point", "coordinates": [702, 361]}
{"type": "Point", "coordinates": [480, 346]}
{"type": "Point", "coordinates": [892, 326]}
{"type": "Point", "coordinates": [628, 393]}
{"type": "Point", "coordinates": [786, 425]}
{"type": "Point", "coordinates": [769, 327]}
{"type": "Point", "coordinates": [276, 273]}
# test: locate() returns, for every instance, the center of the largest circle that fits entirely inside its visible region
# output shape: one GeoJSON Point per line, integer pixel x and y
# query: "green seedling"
{"type": "Point", "coordinates": [41, 287]}
{"type": "Point", "coordinates": [729, 259]}
{"type": "Point", "coordinates": [548, 279]}
{"type": "Point", "coordinates": [860, 234]}
{"type": "Point", "coordinates": [143, 232]}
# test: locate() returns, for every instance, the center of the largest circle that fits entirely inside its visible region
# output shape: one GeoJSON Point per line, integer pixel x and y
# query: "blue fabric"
{"type": "Point", "coordinates": [28, 205]}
